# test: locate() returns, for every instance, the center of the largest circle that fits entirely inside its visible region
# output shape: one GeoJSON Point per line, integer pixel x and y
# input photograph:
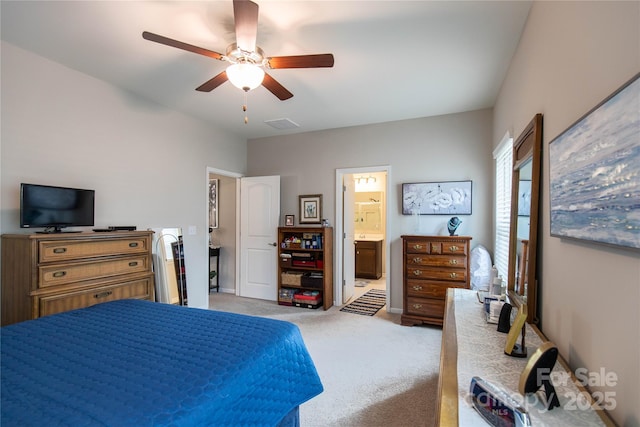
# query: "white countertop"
{"type": "Point", "coordinates": [368, 237]}
{"type": "Point", "coordinates": [481, 353]}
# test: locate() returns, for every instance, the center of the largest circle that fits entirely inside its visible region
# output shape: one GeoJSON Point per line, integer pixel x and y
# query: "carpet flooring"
{"type": "Point", "coordinates": [368, 304]}
{"type": "Point", "coordinates": [375, 372]}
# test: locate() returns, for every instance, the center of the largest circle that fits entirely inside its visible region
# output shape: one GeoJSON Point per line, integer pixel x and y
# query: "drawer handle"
{"type": "Point", "coordinates": [453, 275]}
{"type": "Point", "coordinates": [133, 263]}
{"type": "Point", "coordinates": [59, 250]}
{"type": "Point", "coordinates": [454, 248]}
{"type": "Point", "coordinates": [103, 294]}
{"type": "Point", "coordinates": [453, 261]}
{"type": "Point", "coordinates": [417, 272]}
{"type": "Point", "coordinates": [417, 246]}
{"type": "Point", "coordinates": [59, 274]}
{"type": "Point", "coordinates": [417, 260]}
{"type": "Point", "coordinates": [417, 287]}
{"type": "Point", "coordinates": [133, 244]}
{"type": "Point", "coordinates": [417, 306]}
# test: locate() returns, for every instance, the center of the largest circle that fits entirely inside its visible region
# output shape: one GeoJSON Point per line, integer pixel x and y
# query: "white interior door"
{"type": "Point", "coordinates": [259, 219]}
{"type": "Point", "coordinates": [348, 244]}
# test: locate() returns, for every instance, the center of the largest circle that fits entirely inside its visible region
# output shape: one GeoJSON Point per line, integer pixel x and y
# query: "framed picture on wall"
{"type": "Point", "coordinates": [436, 198]}
{"type": "Point", "coordinates": [213, 203]}
{"type": "Point", "coordinates": [524, 197]}
{"type": "Point", "coordinates": [310, 208]}
{"type": "Point", "coordinates": [593, 173]}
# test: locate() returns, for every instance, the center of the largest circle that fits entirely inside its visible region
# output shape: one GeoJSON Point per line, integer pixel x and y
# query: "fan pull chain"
{"type": "Point", "coordinates": [244, 108]}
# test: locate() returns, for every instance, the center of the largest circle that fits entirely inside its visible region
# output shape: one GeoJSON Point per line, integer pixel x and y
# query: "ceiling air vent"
{"type": "Point", "coordinates": [282, 124]}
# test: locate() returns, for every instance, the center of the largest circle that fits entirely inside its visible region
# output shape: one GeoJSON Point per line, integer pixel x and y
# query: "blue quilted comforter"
{"type": "Point", "coordinates": [139, 363]}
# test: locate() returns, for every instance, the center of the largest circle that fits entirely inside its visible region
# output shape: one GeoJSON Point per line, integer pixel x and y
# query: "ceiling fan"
{"type": "Point", "coordinates": [247, 60]}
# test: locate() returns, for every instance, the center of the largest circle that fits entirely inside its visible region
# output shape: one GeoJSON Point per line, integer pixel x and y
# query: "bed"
{"type": "Point", "coordinates": [140, 363]}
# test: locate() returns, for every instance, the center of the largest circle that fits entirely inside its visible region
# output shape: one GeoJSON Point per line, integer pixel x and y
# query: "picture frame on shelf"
{"type": "Point", "coordinates": [289, 220]}
{"type": "Point", "coordinates": [437, 198]}
{"type": "Point", "coordinates": [593, 182]}
{"type": "Point", "coordinates": [310, 208]}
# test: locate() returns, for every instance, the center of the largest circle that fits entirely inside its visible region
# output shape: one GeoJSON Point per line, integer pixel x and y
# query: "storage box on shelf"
{"type": "Point", "coordinates": [305, 266]}
{"type": "Point", "coordinates": [307, 299]}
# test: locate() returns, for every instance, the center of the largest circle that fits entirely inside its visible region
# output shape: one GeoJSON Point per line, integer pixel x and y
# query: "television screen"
{"type": "Point", "coordinates": [55, 207]}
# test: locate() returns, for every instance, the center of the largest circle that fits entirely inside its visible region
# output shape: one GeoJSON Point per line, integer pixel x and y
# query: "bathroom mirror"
{"type": "Point", "coordinates": [523, 235]}
{"type": "Point", "coordinates": [368, 212]}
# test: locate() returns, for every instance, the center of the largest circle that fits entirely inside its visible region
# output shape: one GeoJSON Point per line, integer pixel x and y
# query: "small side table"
{"type": "Point", "coordinates": [215, 252]}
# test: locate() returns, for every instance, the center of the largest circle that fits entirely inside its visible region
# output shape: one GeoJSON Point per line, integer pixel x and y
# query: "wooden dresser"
{"type": "Point", "coordinates": [45, 274]}
{"type": "Point", "coordinates": [472, 347]}
{"type": "Point", "coordinates": [431, 265]}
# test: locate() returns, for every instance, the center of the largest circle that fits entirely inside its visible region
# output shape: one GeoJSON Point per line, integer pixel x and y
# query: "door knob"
{"type": "Point", "coordinates": [273, 244]}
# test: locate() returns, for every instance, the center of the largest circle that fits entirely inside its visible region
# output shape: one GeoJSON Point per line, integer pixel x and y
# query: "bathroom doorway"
{"type": "Point", "coordinates": [361, 219]}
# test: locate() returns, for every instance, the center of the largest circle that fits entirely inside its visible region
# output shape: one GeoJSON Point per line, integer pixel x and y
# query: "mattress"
{"type": "Point", "coordinates": [140, 363]}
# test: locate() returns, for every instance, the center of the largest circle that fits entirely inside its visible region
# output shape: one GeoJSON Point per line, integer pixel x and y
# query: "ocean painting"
{"type": "Point", "coordinates": [436, 198]}
{"type": "Point", "coordinates": [595, 173]}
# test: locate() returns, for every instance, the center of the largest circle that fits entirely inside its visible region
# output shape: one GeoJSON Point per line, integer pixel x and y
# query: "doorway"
{"type": "Point", "coordinates": [222, 229]}
{"type": "Point", "coordinates": [228, 211]}
{"type": "Point", "coordinates": [361, 217]}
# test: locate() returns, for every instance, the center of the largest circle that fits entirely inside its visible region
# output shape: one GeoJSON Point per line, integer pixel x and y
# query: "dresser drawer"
{"type": "Point", "coordinates": [430, 289]}
{"type": "Point", "coordinates": [61, 250]}
{"type": "Point", "coordinates": [427, 307]}
{"type": "Point", "coordinates": [54, 275]}
{"type": "Point", "coordinates": [451, 274]}
{"type": "Point", "coordinates": [437, 261]}
{"type": "Point", "coordinates": [140, 288]}
{"type": "Point", "coordinates": [448, 248]}
{"type": "Point", "coordinates": [436, 247]}
{"type": "Point", "coordinates": [417, 247]}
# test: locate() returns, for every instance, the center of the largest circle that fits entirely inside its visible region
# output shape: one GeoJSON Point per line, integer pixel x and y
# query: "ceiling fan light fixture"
{"type": "Point", "coordinates": [245, 76]}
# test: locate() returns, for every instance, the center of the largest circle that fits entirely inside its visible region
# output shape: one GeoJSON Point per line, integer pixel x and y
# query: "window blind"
{"type": "Point", "coordinates": [503, 155]}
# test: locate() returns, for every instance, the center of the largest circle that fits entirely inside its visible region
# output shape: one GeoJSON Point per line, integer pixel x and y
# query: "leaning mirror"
{"type": "Point", "coordinates": [523, 235]}
{"type": "Point", "coordinates": [168, 252]}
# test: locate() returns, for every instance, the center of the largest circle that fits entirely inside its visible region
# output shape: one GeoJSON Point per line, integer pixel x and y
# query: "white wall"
{"type": "Point", "coordinates": [446, 148]}
{"type": "Point", "coordinates": [571, 56]}
{"type": "Point", "coordinates": [146, 163]}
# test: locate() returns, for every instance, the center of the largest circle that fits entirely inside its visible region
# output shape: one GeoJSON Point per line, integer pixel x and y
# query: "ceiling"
{"type": "Point", "coordinates": [394, 60]}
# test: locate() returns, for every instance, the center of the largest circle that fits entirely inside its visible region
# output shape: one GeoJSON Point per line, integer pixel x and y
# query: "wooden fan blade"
{"type": "Point", "coordinates": [245, 15]}
{"type": "Point", "coordinates": [180, 45]}
{"type": "Point", "coordinates": [276, 88]}
{"type": "Point", "coordinates": [213, 83]}
{"type": "Point", "coordinates": [301, 61]}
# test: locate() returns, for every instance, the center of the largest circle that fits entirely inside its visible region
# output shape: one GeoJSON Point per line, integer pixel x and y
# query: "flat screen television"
{"type": "Point", "coordinates": [55, 208]}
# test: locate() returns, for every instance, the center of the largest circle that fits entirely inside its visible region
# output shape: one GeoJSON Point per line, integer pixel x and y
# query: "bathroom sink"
{"type": "Point", "coordinates": [368, 237]}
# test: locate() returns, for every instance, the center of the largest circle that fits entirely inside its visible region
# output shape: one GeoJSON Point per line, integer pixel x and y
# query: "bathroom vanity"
{"type": "Point", "coordinates": [368, 258]}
